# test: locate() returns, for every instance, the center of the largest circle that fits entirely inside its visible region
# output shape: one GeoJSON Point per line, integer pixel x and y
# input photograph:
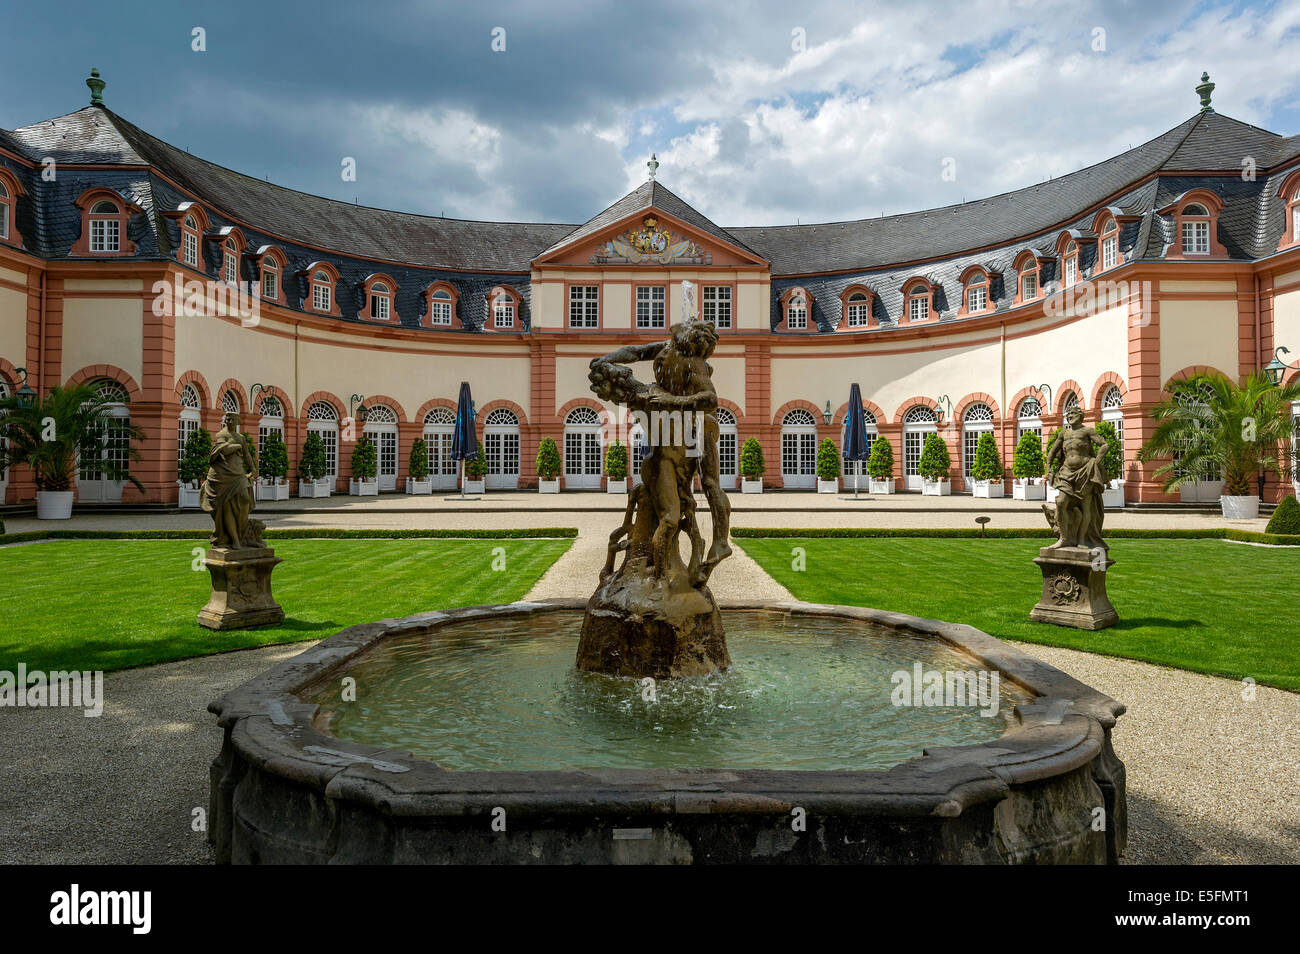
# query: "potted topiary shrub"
{"type": "Point", "coordinates": [880, 467]}
{"type": "Point", "coordinates": [313, 475]}
{"type": "Point", "coordinates": [1286, 518]}
{"type": "Point", "coordinates": [48, 434]}
{"type": "Point", "coordinates": [828, 467]}
{"type": "Point", "coordinates": [752, 466]}
{"type": "Point", "coordinates": [1112, 467]}
{"type": "Point", "coordinates": [418, 480]}
{"type": "Point", "coordinates": [548, 467]}
{"type": "Point", "coordinates": [1028, 467]}
{"type": "Point", "coordinates": [616, 468]}
{"type": "Point", "coordinates": [273, 472]}
{"type": "Point", "coordinates": [193, 468]}
{"type": "Point", "coordinates": [934, 466]}
{"type": "Point", "coordinates": [476, 473]}
{"type": "Point", "coordinates": [365, 468]}
{"type": "Point", "coordinates": [986, 470]}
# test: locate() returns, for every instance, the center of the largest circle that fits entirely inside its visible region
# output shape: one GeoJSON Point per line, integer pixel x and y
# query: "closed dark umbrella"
{"type": "Point", "coordinates": [464, 439]}
{"type": "Point", "coordinates": [855, 433]}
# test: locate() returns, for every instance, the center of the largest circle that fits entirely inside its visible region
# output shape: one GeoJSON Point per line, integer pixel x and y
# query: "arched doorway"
{"type": "Point", "coordinates": [270, 422]}
{"type": "Point", "coordinates": [728, 449]}
{"type": "Point", "coordinates": [857, 469]}
{"type": "Point", "coordinates": [381, 427]}
{"type": "Point", "coordinates": [501, 445]}
{"type": "Point", "coordinates": [582, 450]}
{"type": "Point", "coordinates": [1029, 417]}
{"type": "Point", "coordinates": [977, 420]}
{"type": "Point", "coordinates": [439, 425]}
{"type": "Point", "coordinates": [110, 442]}
{"type": "Point", "coordinates": [799, 449]}
{"type": "Point", "coordinates": [190, 420]}
{"type": "Point", "coordinates": [918, 423]}
{"type": "Point", "coordinates": [323, 419]}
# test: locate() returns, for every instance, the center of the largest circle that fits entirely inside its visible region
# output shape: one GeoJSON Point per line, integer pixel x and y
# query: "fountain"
{"type": "Point", "coordinates": [836, 734]}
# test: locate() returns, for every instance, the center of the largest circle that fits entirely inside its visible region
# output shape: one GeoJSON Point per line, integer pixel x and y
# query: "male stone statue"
{"type": "Point", "coordinates": [1075, 470]}
{"type": "Point", "coordinates": [228, 490]}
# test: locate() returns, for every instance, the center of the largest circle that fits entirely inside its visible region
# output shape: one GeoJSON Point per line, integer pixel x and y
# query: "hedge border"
{"type": "Point", "coordinates": [326, 533]}
{"type": "Point", "coordinates": [1207, 533]}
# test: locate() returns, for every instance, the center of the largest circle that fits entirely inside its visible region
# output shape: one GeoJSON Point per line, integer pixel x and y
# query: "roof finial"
{"type": "Point", "coordinates": [96, 88]}
{"type": "Point", "coordinates": [1204, 91]}
{"type": "Point", "coordinates": [653, 166]}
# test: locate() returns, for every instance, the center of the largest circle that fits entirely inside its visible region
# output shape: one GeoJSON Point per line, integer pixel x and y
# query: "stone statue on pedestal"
{"type": "Point", "coordinates": [1075, 566]}
{"type": "Point", "coordinates": [239, 561]}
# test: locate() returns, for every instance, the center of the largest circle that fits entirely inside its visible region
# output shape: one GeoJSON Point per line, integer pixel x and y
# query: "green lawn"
{"type": "Point", "coordinates": [1204, 605]}
{"type": "Point", "coordinates": [110, 604]}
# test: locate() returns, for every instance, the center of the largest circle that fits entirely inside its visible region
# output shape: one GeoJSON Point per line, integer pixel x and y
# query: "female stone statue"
{"type": "Point", "coordinates": [228, 490]}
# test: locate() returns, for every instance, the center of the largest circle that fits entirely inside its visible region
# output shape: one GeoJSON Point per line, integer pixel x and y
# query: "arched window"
{"type": "Point", "coordinates": [503, 308]}
{"type": "Point", "coordinates": [439, 426]}
{"type": "Point", "coordinates": [271, 420]}
{"type": "Point", "coordinates": [1070, 263]}
{"type": "Point", "coordinates": [111, 442]}
{"type": "Point", "coordinates": [1070, 400]}
{"type": "Point", "coordinates": [501, 445]}
{"type": "Point", "coordinates": [1029, 417]}
{"type": "Point", "coordinates": [9, 192]}
{"type": "Point", "coordinates": [796, 310]}
{"type": "Point", "coordinates": [230, 263]}
{"type": "Point", "coordinates": [977, 420]}
{"type": "Point", "coordinates": [728, 442]}
{"type": "Point", "coordinates": [919, 422]}
{"type": "Point", "coordinates": [799, 448]}
{"type": "Point", "coordinates": [104, 218]}
{"type": "Point", "coordinates": [190, 241]}
{"type": "Point", "coordinates": [381, 427]}
{"type": "Point", "coordinates": [190, 419]}
{"type": "Point", "coordinates": [323, 419]}
{"type": "Point", "coordinates": [229, 403]}
{"type": "Point", "coordinates": [1195, 222]}
{"type": "Point", "coordinates": [976, 295]}
{"type": "Point", "coordinates": [582, 450]}
{"type": "Point", "coordinates": [105, 227]}
{"type": "Point", "coordinates": [322, 292]}
{"type": "Point", "coordinates": [918, 301]}
{"type": "Point", "coordinates": [440, 307]}
{"type": "Point", "coordinates": [270, 278]}
{"type": "Point", "coordinates": [1109, 243]}
{"type": "Point", "coordinates": [1112, 409]}
{"type": "Point", "coordinates": [855, 303]}
{"type": "Point", "coordinates": [1027, 279]}
{"type": "Point", "coordinates": [381, 292]}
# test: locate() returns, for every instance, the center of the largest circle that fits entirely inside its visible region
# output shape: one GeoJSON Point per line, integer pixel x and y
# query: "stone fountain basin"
{"type": "Point", "coordinates": [284, 792]}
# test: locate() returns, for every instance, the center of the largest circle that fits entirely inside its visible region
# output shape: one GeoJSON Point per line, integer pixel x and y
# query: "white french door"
{"type": "Point", "coordinates": [385, 438]}
{"type": "Point", "coordinates": [502, 449]}
{"type": "Point", "coordinates": [582, 458]}
{"type": "Point", "coordinates": [727, 451]}
{"type": "Point", "coordinates": [799, 457]}
{"type": "Point", "coordinates": [111, 442]}
{"type": "Point", "coordinates": [913, 442]}
{"type": "Point", "coordinates": [442, 469]}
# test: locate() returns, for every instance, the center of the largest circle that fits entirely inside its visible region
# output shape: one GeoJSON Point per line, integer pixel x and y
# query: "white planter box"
{"type": "Point", "coordinates": [828, 486]}
{"type": "Point", "coordinates": [475, 486]}
{"type": "Point", "coordinates": [363, 488]}
{"type": "Point", "coordinates": [1032, 489]}
{"type": "Point", "coordinates": [317, 488]}
{"type": "Point", "coordinates": [1052, 493]}
{"type": "Point", "coordinates": [880, 486]}
{"type": "Point", "coordinates": [53, 504]}
{"type": "Point", "coordinates": [188, 495]}
{"type": "Point", "coordinates": [616, 486]}
{"type": "Point", "coordinates": [987, 488]}
{"type": "Point", "coordinates": [1112, 498]}
{"type": "Point", "coordinates": [1201, 491]}
{"type": "Point", "coordinates": [748, 486]}
{"type": "Point", "coordinates": [545, 486]}
{"type": "Point", "coordinates": [936, 488]}
{"type": "Point", "coordinates": [1239, 508]}
{"type": "Point", "coordinates": [271, 489]}
{"type": "Point", "coordinates": [419, 487]}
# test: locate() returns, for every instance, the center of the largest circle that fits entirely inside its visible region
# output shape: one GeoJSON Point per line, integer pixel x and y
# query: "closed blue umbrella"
{"type": "Point", "coordinates": [464, 439]}
{"type": "Point", "coordinates": [855, 433]}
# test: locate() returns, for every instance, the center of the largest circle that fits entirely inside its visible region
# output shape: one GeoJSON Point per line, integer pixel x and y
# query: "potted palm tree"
{"type": "Point", "coordinates": [418, 480]}
{"type": "Point", "coordinates": [273, 470]}
{"type": "Point", "coordinates": [934, 465]}
{"type": "Point", "coordinates": [1209, 424]}
{"type": "Point", "coordinates": [880, 467]}
{"type": "Point", "coordinates": [616, 468]}
{"type": "Point", "coordinates": [313, 473]}
{"type": "Point", "coordinates": [1028, 467]}
{"type": "Point", "coordinates": [548, 467]}
{"type": "Point", "coordinates": [986, 470]}
{"type": "Point", "coordinates": [828, 467]}
{"type": "Point", "coordinates": [476, 473]}
{"type": "Point", "coordinates": [365, 468]}
{"type": "Point", "coordinates": [193, 468]}
{"type": "Point", "coordinates": [752, 466]}
{"type": "Point", "coordinates": [48, 434]}
{"type": "Point", "coordinates": [1112, 467]}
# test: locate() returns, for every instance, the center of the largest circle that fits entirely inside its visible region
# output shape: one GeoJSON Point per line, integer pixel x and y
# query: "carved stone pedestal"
{"type": "Point", "coordinates": [1074, 588]}
{"type": "Point", "coordinates": [241, 589]}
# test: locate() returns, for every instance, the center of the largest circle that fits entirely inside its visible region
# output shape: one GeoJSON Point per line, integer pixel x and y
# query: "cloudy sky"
{"type": "Point", "coordinates": [761, 113]}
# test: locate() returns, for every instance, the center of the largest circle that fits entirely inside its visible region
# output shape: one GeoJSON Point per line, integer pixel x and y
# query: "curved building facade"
{"type": "Point", "coordinates": [185, 289]}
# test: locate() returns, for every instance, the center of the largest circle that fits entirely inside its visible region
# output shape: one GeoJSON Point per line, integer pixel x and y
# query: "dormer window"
{"type": "Point", "coordinates": [190, 242]}
{"type": "Point", "coordinates": [975, 298]}
{"type": "Point", "coordinates": [796, 310]}
{"type": "Point", "coordinates": [918, 301]}
{"type": "Point", "coordinates": [230, 261]}
{"type": "Point", "coordinates": [6, 208]}
{"type": "Point", "coordinates": [796, 314]}
{"type": "Point", "coordinates": [1196, 230]}
{"type": "Point", "coordinates": [503, 313]}
{"type": "Point", "coordinates": [105, 227]}
{"type": "Point", "coordinates": [9, 192]}
{"type": "Point", "coordinates": [322, 290]}
{"type": "Point", "coordinates": [270, 279]}
{"type": "Point", "coordinates": [1027, 277]}
{"type": "Point", "coordinates": [1109, 244]}
{"type": "Point", "coordinates": [503, 308]}
{"type": "Point", "coordinates": [1070, 263]}
{"type": "Point", "coordinates": [440, 312]}
{"type": "Point", "coordinates": [855, 303]}
{"type": "Point", "coordinates": [380, 291]}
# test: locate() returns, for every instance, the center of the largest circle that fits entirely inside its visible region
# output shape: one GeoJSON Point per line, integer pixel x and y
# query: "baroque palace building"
{"type": "Point", "coordinates": [120, 254]}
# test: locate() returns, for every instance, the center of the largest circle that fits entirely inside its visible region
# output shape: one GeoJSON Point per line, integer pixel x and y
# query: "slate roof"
{"type": "Point", "coordinates": [1207, 150]}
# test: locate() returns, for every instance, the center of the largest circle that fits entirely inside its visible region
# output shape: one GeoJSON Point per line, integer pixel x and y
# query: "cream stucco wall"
{"type": "Point", "coordinates": [1083, 350]}
{"type": "Point", "coordinates": [13, 326]}
{"type": "Point", "coordinates": [1286, 323]}
{"type": "Point", "coordinates": [617, 305]}
{"type": "Point", "coordinates": [103, 331]}
{"type": "Point", "coordinates": [1198, 332]}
